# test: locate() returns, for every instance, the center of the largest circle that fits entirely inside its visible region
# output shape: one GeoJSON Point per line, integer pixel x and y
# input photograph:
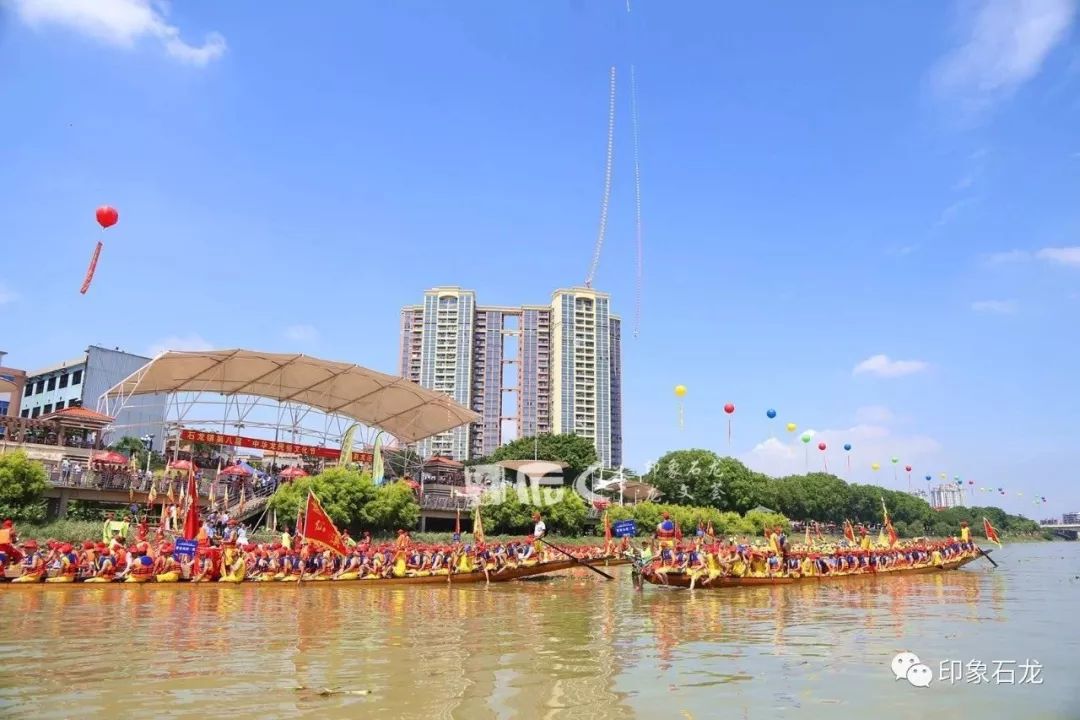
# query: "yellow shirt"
{"type": "Point", "coordinates": [965, 534]}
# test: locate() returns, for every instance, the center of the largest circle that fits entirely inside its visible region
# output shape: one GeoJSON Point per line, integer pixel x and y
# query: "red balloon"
{"type": "Point", "coordinates": [821, 447]}
{"type": "Point", "coordinates": [107, 216]}
{"type": "Point", "coordinates": [729, 408]}
{"type": "Point", "coordinates": [971, 482]}
{"type": "Point", "coordinates": [908, 468]}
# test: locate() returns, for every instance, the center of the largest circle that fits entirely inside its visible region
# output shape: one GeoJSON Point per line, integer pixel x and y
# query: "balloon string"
{"type": "Point", "coordinates": [90, 270]}
{"type": "Point", "coordinates": [681, 423]}
{"type": "Point", "coordinates": [826, 461]}
{"type": "Point", "coordinates": [729, 432]}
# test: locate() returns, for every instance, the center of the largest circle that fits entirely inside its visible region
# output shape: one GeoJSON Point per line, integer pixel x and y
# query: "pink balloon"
{"type": "Point", "coordinates": [821, 446]}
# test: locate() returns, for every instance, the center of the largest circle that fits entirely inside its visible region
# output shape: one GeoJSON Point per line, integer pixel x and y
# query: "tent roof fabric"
{"type": "Point", "coordinates": [394, 404]}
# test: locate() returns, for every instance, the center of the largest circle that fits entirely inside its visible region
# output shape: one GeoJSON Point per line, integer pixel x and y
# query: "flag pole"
{"type": "Point", "coordinates": [300, 577]}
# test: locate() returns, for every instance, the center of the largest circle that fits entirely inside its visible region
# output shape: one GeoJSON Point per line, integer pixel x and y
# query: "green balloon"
{"type": "Point", "coordinates": [895, 460]}
{"type": "Point", "coordinates": [806, 437]}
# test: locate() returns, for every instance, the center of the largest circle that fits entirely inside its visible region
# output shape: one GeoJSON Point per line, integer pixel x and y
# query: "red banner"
{"type": "Point", "coordinates": [320, 529]}
{"type": "Point", "coordinates": [279, 447]}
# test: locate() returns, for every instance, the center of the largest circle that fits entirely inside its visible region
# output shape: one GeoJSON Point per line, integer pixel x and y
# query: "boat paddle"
{"type": "Point", "coordinates": [579, 562]}
{"type": "Point", "coordinates": [986, 554]}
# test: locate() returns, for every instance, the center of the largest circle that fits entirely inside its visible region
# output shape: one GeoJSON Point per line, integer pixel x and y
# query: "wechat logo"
{"type": "Point", "coordinates": [906, 666]}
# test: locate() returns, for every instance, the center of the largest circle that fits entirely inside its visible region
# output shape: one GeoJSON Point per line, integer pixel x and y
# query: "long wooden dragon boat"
{"type": "Point", "coordinates": [461, 578]}
{"type": "Point", "coordinates": [682, 580]}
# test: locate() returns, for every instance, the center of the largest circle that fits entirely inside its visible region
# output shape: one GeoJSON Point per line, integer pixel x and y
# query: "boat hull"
{"type": "Point", "coordinates": [506, 575]}
{"type": "Point", "coordinates": [722, 583]}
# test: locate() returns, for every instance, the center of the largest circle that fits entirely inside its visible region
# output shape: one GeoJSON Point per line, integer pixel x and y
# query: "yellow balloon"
{"type": "Point", "coordinates": [791, 427]}
{"type": "Point", "coordinates": [875, 466]}
{"type": "Point", "coordinates": [680, 390]}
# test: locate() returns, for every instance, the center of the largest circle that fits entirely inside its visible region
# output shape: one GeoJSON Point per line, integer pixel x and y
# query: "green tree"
{"type": "Point", "coordinates": [577, 452]}
{"type": "Point", "coordinates": [507, 511]}
{"type": "Point", "coordinates": [689, 477]}
{"type": "Point", "coordinates": [351, 500]}
{"type": "Point", "coordinates": [22, 487]}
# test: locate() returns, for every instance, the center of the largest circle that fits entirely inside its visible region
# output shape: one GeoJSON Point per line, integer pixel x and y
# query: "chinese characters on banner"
{"type": "Point", "coordinates": [280, 447]}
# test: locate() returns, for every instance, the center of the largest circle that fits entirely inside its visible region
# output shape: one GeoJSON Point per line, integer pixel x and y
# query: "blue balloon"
{"type": "Point", "coordinates": [929, 478]}
{"type": "Point", "coordinates": [847, 446]}
{"type": "Point", "coordinates": [771, 413]}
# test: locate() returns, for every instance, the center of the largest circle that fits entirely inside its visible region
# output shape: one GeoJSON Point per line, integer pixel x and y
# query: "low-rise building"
{"type": "Point", "coordinates": [82, 380]}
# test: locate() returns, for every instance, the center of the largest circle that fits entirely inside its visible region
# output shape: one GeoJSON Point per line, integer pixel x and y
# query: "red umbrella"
{"type": "Point", "coordinates": [110, 458]}
{"type": "Point", "coordinates": [290, 473]}
{"type": "Point", "coordinates": [235, 470]}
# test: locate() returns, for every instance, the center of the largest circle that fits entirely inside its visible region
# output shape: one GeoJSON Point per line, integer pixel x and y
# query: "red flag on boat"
{"type": "Point", "coordinates": [678, 531]}
{"type": "Point", "coordinates": [849, 531]}
{"type": "Point", "coordinates": [320, 529]}
{"type": "Point", "coordinates": [991, 533]}
{"type": "Point", "coordinates": [191, 520]}
{"type": "Point", "coordinates": [607, 528]}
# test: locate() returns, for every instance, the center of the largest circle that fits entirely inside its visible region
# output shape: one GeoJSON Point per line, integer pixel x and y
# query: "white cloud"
{"type": "Point", "coordinates": [121, 23]}
{"type": "Point", "coordinates": [1062, 255]}
{"type": "Point", "coordinates": [874, 414]}
{"type": "Point", "coordinates": [1006, 44]}
{"type": "Point", "coordinates": [1009, 256]}
{"type": "Point", "coordinates": [999, 307]}
{"type": "Point", "coordinates": [301, 333]}
{"type": "Point", "coordinates": [7, 295]}
{"type": "Point", "coordinates": [179, 342]}
{"type": "Point", "coordinates": [882, 366]}
{"type": "Point", "coordinates": [870, 443]}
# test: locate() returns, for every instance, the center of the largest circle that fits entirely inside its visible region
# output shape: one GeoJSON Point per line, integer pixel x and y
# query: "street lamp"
{"type": "Point", "coordinates": [148, 441]}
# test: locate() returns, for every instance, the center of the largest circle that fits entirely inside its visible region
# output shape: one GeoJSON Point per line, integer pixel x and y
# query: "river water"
{"type": "Point", "coordinates": [574, 646]}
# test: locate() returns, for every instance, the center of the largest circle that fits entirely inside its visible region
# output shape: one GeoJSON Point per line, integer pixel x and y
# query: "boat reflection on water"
{"type": "Point", "coordinates": [569, 646]}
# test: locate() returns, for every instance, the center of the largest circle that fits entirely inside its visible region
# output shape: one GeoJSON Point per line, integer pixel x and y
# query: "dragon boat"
{"type": "Point", "coordinates": [457, 578]}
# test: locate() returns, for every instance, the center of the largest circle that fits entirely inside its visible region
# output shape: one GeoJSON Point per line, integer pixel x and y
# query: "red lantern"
{"type": "Point", "coordinates": [821, 446]}
{"type": "Point", "coordinates": [729, 408]}
{"type": "Point", "coordinates": [107, 216]}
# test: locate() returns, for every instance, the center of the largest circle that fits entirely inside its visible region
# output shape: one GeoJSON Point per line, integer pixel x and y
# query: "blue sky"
{"type": "Point", "coordinates": [822, 184]}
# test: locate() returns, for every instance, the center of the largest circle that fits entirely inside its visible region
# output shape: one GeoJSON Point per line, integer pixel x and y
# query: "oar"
{"type": "Point", "coordinates": [579, 562]}
{"type": "Point", "coordinates": [986, 554]}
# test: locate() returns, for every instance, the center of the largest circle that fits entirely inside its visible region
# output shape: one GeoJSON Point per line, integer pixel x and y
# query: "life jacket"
{"type": "Point", "coordinates": [69, 564]}
{"type": "Point", "coordinates": [32, 564]}
{"type": "Point", "coordinates": [666, 530]}
{"type": "Point", "coordinates": [5, 536]}
{"type": "Point", "coordinates": [142, 566]}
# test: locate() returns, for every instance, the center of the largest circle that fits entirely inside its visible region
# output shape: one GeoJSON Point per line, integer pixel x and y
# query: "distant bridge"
{"type": "Point", "coordinates": [1069, 532]}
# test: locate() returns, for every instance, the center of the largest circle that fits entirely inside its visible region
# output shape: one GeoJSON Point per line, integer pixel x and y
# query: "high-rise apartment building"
{"type": "Point", "coordinates": [505, 363]}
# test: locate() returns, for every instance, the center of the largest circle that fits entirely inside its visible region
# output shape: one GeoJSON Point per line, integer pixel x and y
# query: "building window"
{"type": "Point", "coordinates": [75, 403]}
{"type": "Point", "coordinates": [60, 405]}
{"type": "Point", "coordinates": [47, 409]}
{"type": "Point", "coordinates": [25, 413]}
{"type": "Point", "coordinates": [64, 380]}
{"type": "Point", "coordinates": [40, 387]}
{"type": "Point", "coordinates": [52, 384]}
{"type": "Point", "coordinates": [35, 413]}
{"type": "Point", "coordinates": [28, 390]}
{"type": "Point", "coordinates": [76, 378]}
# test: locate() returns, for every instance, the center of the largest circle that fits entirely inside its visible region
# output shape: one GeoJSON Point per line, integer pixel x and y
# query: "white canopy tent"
{"type": "Point", "coordinates": [296, 383]}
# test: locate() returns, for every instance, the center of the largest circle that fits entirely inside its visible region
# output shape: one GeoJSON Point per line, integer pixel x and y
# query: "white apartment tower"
{"type": "Point", "coordinates": [566, 376]}
{"type": "Point", "coordinates": [586, 382]}
{"type": "Point", "coordinates": [437, 353]}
